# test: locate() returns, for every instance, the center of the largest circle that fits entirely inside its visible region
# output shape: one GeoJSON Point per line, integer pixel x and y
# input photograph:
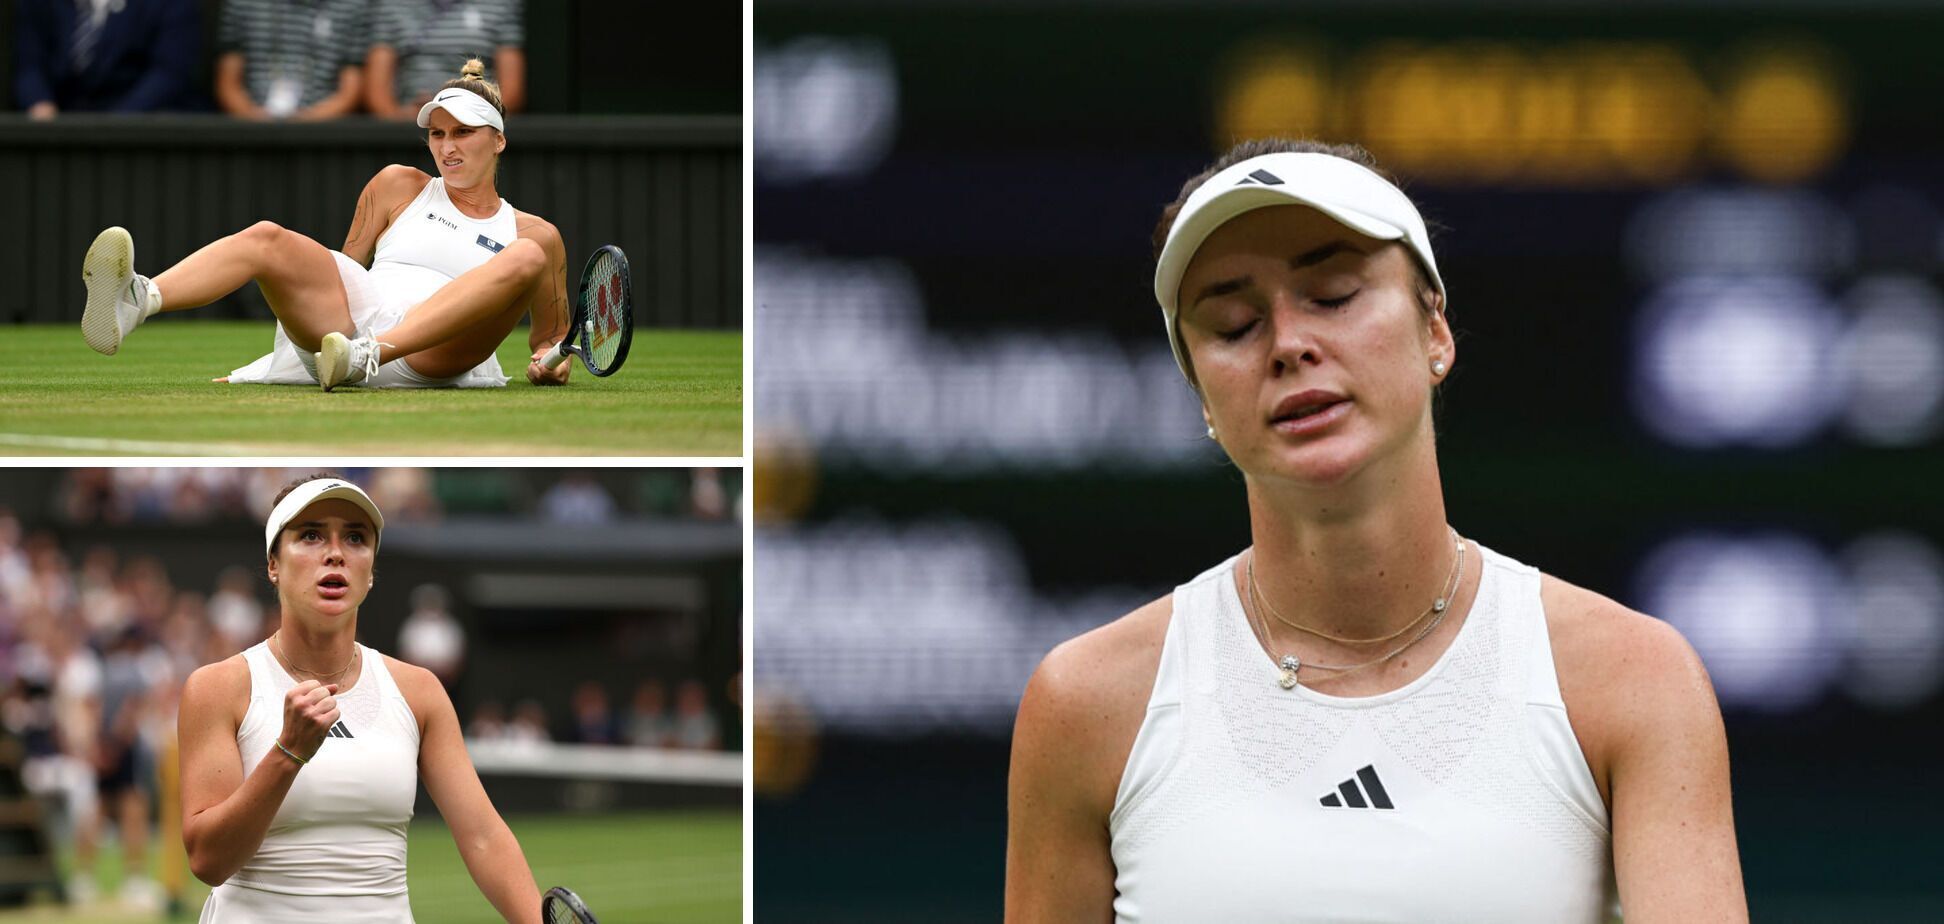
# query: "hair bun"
{"type": "Point", "coordinates": [473, 68]}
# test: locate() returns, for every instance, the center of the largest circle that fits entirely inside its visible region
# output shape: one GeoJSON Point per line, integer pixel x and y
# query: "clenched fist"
{"type": "Point", "coordinates": [310, 709]}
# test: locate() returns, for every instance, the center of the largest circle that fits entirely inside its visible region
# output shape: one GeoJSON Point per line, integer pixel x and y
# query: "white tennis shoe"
{"type": "Point", "coordinates": [344, 361]}
{"type": "Point", "coordinates": [118, 299]}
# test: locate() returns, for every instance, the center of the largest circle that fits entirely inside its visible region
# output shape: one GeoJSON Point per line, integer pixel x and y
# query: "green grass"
{"type": "Point", "coordinates": [679, 394]}
{"type": "Point", "coordinates": [647, 868]}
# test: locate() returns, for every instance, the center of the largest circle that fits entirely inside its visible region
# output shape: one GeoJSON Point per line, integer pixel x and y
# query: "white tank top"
{"type": "Point", "coordinates": [432, 243]}
{"type": "Point", "coordinates": [1461, 796]}
{"type": "Point", "coordinates": [341, 828]}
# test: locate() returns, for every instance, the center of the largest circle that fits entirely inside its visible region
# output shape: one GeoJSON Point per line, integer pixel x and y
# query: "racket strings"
{"type": "Point", "coordinates": [604, 311]}
{"type": "Point", "coordinates": [562, 906]}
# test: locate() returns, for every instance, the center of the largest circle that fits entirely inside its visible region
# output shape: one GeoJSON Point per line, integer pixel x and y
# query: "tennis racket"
{"type": "Point", "coordinates": [562, 906]}
{"type": "Point", "coordinates": [603, 322]}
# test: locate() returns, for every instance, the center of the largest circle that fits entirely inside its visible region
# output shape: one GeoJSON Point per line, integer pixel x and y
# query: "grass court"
{"type": "Point", "coordinates": [679, 394]}
{"type": "Point", "coordinates": [634, 868]}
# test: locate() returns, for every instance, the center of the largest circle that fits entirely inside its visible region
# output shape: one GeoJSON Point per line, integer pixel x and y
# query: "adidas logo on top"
{"type": "Point", "coordinates": [338, 731]}
{"type": "Point", "coordinates": [1349, 795]}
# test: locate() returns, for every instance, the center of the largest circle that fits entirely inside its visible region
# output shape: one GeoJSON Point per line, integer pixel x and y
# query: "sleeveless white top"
{"type": "Point", "coordinates": [432, 243]}
{"type": "Point", "coordinates": [1461, 796]}
{"type": "Point", "coordinates": [341, 829]}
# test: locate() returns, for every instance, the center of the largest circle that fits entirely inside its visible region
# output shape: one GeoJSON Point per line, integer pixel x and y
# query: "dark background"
{"type": "Point", "coordinates": [1034, 145]}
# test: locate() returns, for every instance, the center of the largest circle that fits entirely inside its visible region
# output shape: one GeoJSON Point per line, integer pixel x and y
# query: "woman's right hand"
{"type": "Point", "coordinates": [310, 709]}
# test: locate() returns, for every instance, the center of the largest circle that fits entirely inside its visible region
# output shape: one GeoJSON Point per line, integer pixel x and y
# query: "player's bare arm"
{"type": "Point", "coordinates": [1077, 722]}
{"type": "Point", "coordinates": [383, 198]}
{"type": "Point", "coordinates": [491, 853]}
{"type": "Point", "coordinates": [546, 304]}
{"type": "Point", "coordinates": [1646, 716]}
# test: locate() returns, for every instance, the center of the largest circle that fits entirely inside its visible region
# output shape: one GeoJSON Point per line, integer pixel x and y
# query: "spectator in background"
{"type": "Point", "coordinates": [577, 499]}
{"type": "Point", "coordinates": [120, 700]}
{"type": "Point", "coordinates": [695, 726]}
{"type": "Point", "coordinates": [301, 60]}
{"type": "Point", "coordinates": [649, 725]}
{"type": "Point", "coordinates": [105, 55]}
{"type": "Point", "coordinates": [88, 496]}
{"type": "Point", "coordinates": [417, 44]}
{"type": "Point", "coordinates": [708, 500]}
{"type": "Point", "coordinates": [529, 724]}
{"type": "Point", "coordinates": [407, 494]}
{"type": "Point", "coordinates": [489, 722]}
{"type": "Point", "coordinates": [235, 612]}
{"type": "Point", "coordinates": [431, 638]}
{"type": "Point", "coordinates": [593, 717]}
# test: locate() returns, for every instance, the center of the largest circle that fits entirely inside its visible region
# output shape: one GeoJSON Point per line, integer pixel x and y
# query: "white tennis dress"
{"type": "Point", "coordinates": [1461, 796]}
{"type": "Point", "coordinates": [335, 853]}
{"type": "Point", "coordinates": [430, 244]}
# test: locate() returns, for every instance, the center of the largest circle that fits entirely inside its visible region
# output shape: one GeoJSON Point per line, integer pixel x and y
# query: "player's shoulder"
{"type": "Point", "coordinates": [1083, 708]}
{"type": "Point", "coordinates": [226, 681]}
{"type": "Point", "coordinates": [1628, 680]}
{"type": "Point", "coordinates": [1106, 672]}
{"type": "Point", "coordinates": [1596, 635]}
{"type": "Point", "coordinates": [399, 180]}
{"type": "Point", "coordinates": [412, 680]}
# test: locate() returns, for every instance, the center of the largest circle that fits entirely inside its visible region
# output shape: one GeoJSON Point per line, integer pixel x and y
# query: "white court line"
{"type": "Point", "coordinates": [126, 447]}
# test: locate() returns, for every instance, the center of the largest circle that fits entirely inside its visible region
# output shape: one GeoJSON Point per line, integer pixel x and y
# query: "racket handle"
{"type": "Point", "coordinates": [555, 356]}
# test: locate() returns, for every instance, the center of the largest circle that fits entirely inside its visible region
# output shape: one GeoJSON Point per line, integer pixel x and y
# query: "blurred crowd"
{"type": "Point", "coordinates": [273, 59]}
{"type": "Point", "coordinates": [407, 495]}
{"type": "Point", "coordinates": [95, 643]}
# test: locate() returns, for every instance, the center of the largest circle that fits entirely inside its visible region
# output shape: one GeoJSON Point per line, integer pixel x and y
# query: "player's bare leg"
{"type": "Point", "coordinates": [467, 319]}
{"type": "Point", "coordinates": [298, 277]}
{"type": "Point", "coordinates": [450, 332]}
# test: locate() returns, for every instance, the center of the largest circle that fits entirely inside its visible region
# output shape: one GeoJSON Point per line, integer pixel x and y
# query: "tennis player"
{"type": "Point", "coordinates": [434, 273]}
{"type": "Point", "coordinates": [1362, 716]}
{"type": "Point", "coordinates": [301, 756]}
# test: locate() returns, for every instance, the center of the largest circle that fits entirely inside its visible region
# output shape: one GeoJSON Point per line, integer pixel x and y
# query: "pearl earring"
{"type": "Point", "coordinates": [1211, 431]}
{"type": "Point", "coordinates": [1437, 367]}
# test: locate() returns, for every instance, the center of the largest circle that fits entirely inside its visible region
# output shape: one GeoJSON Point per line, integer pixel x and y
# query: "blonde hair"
{"type": "Point", "coordinates": [473, 77]}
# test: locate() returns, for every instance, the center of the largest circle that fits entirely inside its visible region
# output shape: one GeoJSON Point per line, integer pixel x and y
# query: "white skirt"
{"type": "Point", "coordinates": [235, 904]}
{"type": "Point", "coordinates": [285, 364]}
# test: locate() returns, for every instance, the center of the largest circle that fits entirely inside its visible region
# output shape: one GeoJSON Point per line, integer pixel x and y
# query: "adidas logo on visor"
{"type": "Point", "coordinates": [1349, 795]}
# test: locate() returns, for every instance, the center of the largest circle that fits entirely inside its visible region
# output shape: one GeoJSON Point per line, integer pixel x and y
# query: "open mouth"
{"type": "Point", "coordinates": [452, 163]}
{"type": "Point", "coordinates": [333, 586]}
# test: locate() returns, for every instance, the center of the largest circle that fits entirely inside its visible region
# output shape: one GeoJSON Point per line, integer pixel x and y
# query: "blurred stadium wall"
{"type": "Point", "coordinates": [1693, 256]}
{"type": "Point", "coordinates": [632, 136]}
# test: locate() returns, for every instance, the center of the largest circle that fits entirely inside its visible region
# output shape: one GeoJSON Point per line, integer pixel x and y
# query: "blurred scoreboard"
{"type": "Point", "coordinates": [1692, 256]}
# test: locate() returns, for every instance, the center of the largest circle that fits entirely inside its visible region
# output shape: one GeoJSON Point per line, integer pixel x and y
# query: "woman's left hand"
{"type": "Point", "coordinates": [541, 375]}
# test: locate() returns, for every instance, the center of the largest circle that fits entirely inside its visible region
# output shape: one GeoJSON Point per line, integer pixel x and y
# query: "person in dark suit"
{"type": "Point", "coordinates": [105, 55]}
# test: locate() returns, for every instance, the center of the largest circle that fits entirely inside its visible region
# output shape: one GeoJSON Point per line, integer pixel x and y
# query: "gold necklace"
{"type": "Point", "coordinates": [1289, 664]}
{"type": "Point", "coordinates": [1437, 606]}
{"type": "Point", "coordinates": [293, 665]}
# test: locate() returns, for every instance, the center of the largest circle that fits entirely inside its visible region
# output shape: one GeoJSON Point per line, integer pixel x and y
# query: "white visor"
{"type": "Point", "coordinates": [1342, 189]}
{"type": "Point", "coordinates": [468, 107]}
{"type": "Point", "coordinates": [310, 492]}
